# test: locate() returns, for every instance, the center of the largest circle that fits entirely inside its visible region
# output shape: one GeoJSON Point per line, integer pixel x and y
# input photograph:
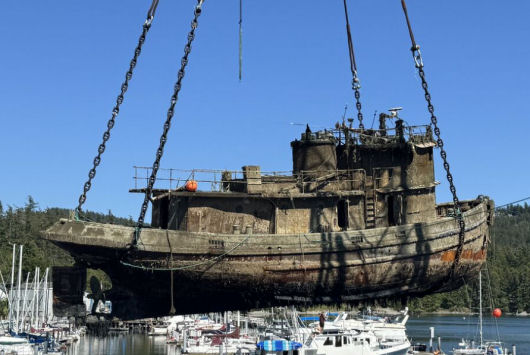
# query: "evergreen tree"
{"type": "Point", "coordinates": [507, 270]}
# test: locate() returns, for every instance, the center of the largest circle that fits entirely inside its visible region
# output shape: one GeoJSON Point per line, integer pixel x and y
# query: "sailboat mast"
{"type": "Point", "coordinates": [19, 286]}
{"type": "Point", "coordinates": [37, 319]}
{"type": "Point", "coordinates": [24, 303]}
{"type": "Point", "coordinates": [46, 298]}
{"type": "Point", "coordinates": [480, 303]}
{"type": "Point", "coordinates": [11, 288]}
{"type": "Point", "coordinates": [33, 323]}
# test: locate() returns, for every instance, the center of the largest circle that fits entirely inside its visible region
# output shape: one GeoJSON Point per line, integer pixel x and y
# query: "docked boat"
{"type": "Point", "coordinates": [357, 342]}
{"type": "Point", "coordinates": [470, 347]}
{"type": "Point", "coordinates": [281, 347]}
{"type": "Point", "coordinates": [366, 334]}
{"type": "Point", "coordinates": [339, 337]}
{"type": "Point", "coordinates": [15, 345]}
{"type": "Point", "coordinates": [158, 329]}
{"type": "Point", "coordinates": [229, 340]}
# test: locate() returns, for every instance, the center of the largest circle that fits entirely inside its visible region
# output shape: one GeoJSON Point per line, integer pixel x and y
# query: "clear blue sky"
{"type": "Point", "coordinates": [63, 61]}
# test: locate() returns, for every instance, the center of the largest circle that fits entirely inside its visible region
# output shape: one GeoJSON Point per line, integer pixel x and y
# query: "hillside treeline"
{"type": "Point", "coordinates": [22, 225]}
{"type": "Point", "coordinates": [506, 280]}
{"type": "Point", "coordinates": [506, 277]}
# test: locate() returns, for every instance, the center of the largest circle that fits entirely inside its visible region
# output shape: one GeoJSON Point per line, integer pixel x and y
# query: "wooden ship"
{"type": "Point", "coordinates": [355, 220]}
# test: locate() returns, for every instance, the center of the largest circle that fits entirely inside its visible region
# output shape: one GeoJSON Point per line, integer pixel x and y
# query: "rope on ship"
{"type": "Point", "coordinates": [210, 261]}
{"type": "Point", "coordinates": [213, 260]}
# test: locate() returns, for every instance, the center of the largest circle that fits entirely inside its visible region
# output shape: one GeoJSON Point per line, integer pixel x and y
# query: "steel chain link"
{"type": "Point", "coordinates": [116, 110]}
{"type": "Point", "coordinates": [167, 124]}
{"type": "Point", "coordinates": [356, 83]}
{"type": "Point", "coordinates": [418, 61]}
{"type": "Point", "coordinates": [356, 86]}
{"type": "Point", "coordinates": [443, 154]}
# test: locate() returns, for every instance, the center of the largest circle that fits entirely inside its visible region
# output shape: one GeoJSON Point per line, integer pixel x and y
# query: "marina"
{"type": "Point", "coordinates": [33, 329]}
{"type": "Point", "coordinates": [342, 235]}
{"type": "Point", "coordinates": [514, 330]}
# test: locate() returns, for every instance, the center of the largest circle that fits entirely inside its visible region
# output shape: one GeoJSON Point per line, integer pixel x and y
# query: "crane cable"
{"type": "Point", "coordinates": [240, 38]}
{"type": "Point", "coordinates": [119, 100]}
{"type": "Point", "coordinates": [418, 61]}
{"type": "Point", "coordinates": [167, 124]}
{"type": "Point", "coordinates": [356, 84]}
{"type": "Point", "coordinates": [512, 203]}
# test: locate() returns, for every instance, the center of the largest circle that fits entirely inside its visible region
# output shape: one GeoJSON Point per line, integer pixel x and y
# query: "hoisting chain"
{"type": "Point", "coordinates": [167, 124]}
{"type": "Point", "coordinates": [418, 61]}
{"type": "Point", "coordinates": [119, 100]}
{"type": "Point", "coordinates": [356, 83]}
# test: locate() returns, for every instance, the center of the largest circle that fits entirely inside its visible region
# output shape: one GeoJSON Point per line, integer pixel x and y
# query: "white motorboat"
{"type": "Point", "coordinates": [158, 329]}
{"type": "Point", "coordinates": [347, 342]}
{"type": "Point", "coordinates": [343, 336]}
{"type": "Point", "coordinates": [364, 334]}
{"type": "Point", "coordinates": [20, 346]}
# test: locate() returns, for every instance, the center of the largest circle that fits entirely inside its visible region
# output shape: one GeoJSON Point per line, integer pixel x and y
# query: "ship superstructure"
{"type": "Point", "coordinates": [355, 220]}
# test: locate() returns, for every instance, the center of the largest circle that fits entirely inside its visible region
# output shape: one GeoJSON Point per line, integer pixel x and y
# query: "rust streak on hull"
{"type": "Point", "coordinates": [265, 270]}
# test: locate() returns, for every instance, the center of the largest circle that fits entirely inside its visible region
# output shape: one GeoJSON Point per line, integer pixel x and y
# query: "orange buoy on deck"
{"type": "Point", "coordinates": [191, 185]}
{"type": "Point", "coordinates": [497, 313]}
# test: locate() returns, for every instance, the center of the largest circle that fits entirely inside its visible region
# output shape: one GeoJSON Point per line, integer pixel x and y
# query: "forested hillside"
{"type": "Point", "coordinates": [22, 225]}
{"type": "Point", "coordinates": [506, 279]}
{"type": "Point", "coordinates": [508, 264]}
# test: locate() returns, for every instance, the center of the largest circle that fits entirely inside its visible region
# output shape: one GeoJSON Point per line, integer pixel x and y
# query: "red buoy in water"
{"type": "Point", "coordinates": [191, 185]}
{"type": "Point", "coordinates": [497, 313]}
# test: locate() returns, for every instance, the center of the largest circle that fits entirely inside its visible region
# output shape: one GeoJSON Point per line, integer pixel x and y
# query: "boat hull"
{"type": "Point", "coordinates": [214, 272]}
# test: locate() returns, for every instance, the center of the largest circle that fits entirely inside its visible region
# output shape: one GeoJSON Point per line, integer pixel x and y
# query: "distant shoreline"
{"type": "Point", "coordinates": [459, 313]}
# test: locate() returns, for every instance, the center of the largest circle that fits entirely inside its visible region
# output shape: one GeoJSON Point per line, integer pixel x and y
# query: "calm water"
{"type": "Point", "coordinates": [451, 329]}
{"type": "Point", "coordinates": [512, 330]}
{"type": "Point", "coordinates": [123, 344]}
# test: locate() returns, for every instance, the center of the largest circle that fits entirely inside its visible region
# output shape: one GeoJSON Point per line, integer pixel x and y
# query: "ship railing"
{"type": "Point", "coordinates": [215, 180]}
{"type": "Point", "coordinates": [414, 134]}
{"type": "Point", "coordinates": [238, 180]}
{"type": "Point", "coordinates": [419, 134]}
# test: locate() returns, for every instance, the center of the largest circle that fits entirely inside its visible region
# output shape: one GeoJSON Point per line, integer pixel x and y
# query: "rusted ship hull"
{"type": "Point", "coordinates": [213, 272]}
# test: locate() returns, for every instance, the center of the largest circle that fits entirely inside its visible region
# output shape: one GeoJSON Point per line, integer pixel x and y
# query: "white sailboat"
{"type": "Point", "coordinates": [482, 348]}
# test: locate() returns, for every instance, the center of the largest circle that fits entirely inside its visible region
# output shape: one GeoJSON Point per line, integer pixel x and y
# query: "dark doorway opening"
{"type": "Point", "coordinates": [391, 215]}
{"type": "Point", "coordinates": [164, 212]}
{"type": "Point", "coordinates": [342, 214]}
